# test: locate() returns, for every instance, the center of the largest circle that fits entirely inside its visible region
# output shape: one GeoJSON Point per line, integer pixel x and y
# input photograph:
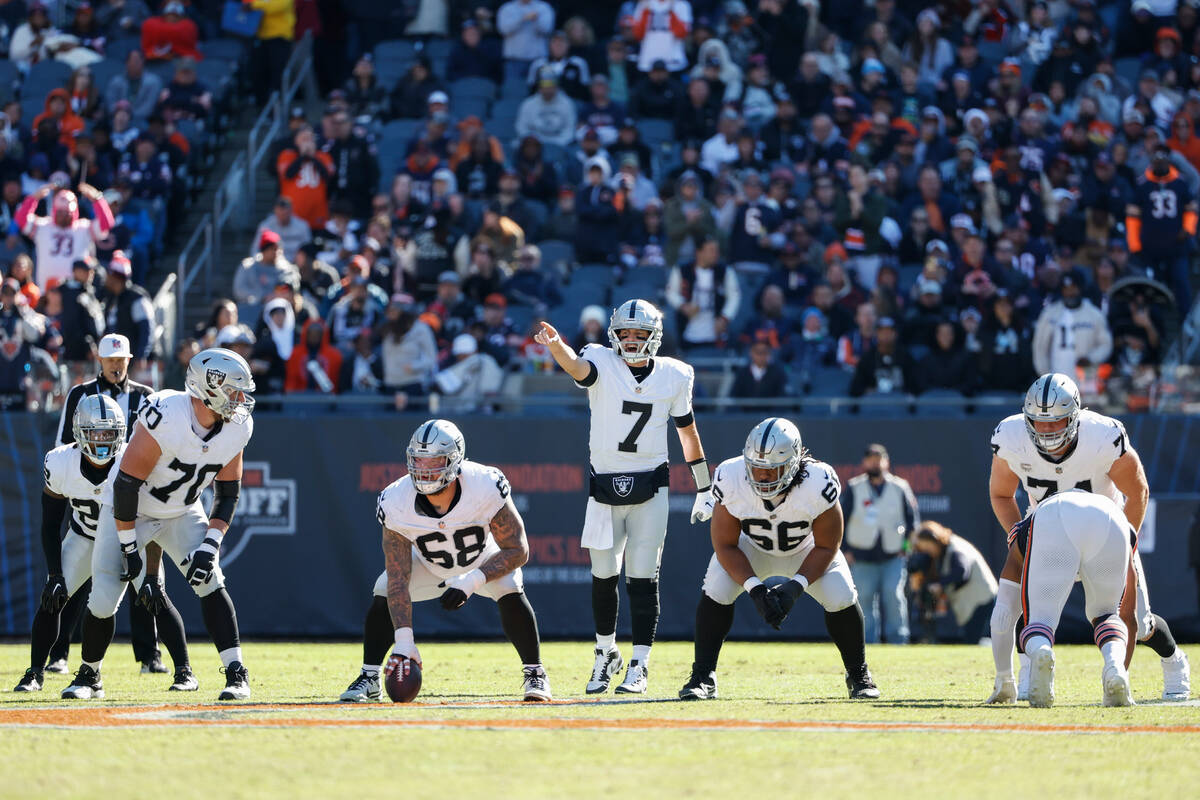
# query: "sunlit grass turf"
{"type": "Point", "coordinates": [758, 682]}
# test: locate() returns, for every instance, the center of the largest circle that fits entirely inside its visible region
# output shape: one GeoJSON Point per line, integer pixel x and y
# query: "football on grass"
{"type": "Point", "coordinates": [402, 679]}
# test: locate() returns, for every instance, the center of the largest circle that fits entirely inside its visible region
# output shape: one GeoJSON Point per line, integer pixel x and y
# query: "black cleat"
{"type": "Point", "coordinates": [86, 686]}
{"type": "Point", "coordinates": [185, 680]}
{"type": "Point", "coordinates": [237, 682]}
{"type": "Point", "coordinates": [154, 666]}
{"type": "Point", "coordinates": [860, 685]}
{"type": "Point", "coordinates": [701, 686]}
{"type": "Point", "coordinates": [32, 682]}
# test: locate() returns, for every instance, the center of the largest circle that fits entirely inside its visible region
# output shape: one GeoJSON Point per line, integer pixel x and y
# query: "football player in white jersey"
{"type": "Point", "coordinates": [632, 396]}
{"type": "Point", "coordinates": [183, 442]}
{"type": "Point", "coordinates": [450, 530]}
{"type": "Point", "coordinates": [1084, 535]}
{"type": "Point", "coordinates": [75, 477]}
{"type": "Point", "coordinates": [777, 514]}
{"type": "Point", "coordinates": [1052, 446]}
{"type": "Point", "coordinates": [63, 238]}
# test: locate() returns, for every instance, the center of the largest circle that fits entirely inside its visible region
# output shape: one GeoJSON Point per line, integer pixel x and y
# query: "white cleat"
{"type": "Point", "coordinates": [1022, 677]}
{"type": "Point", "coordinates": [86, 685]}
{"type": "Point", "coordinates": [608, 663]}
{"type": "Point", "coordinates": [1116, 687]}
{"type": "Point", "coordinates": [1005, 693]}
{"type": "Point", "coordinates": [536, 685]}
{"type": "Point", "coordinates": [1041, 679]}
{"type": "Point", "coordinates": [1177, 677]}
{"type": "Point", "coordinates": [363, 689]}
{"type": "Point", "coordinates": [635, 679]}
{"type": "Point", "coordinates": [60, 666]}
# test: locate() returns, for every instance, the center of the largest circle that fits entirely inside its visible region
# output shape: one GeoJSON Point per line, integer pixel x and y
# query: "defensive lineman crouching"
{"type": "Point", "coordinates": [777, 514]}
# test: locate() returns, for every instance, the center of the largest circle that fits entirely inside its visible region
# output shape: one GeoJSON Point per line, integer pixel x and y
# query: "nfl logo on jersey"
{"type": "Point", "coordinates": [623, 485]}
{"type": "Point", "coordinates": [215, 378]}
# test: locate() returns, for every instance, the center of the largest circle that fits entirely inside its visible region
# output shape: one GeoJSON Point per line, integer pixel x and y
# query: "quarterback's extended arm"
{"type": "Point", "coordinates": [397, 558]}
{"type": "Point", "coordinates": [564, 356]}
{"type": "Point", "coordinates": [509, 532]}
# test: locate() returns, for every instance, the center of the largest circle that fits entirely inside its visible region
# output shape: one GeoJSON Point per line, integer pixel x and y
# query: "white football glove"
{"type": "Point", "coordinates": [702, 509]}
{"type": "Point", "coordinates": [405, 646]}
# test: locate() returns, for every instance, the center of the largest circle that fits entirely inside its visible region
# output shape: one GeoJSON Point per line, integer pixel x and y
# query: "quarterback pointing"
{"type": "Point", "coordinates": [631, 395]}
{"type": "Point", "coordinates": [450, 530]}
{"type": "Point", "coordinates": [777, 514]}
{"type": "Point", "coordinates": [183, 442]}
{"type": "Point", "coordinates": [1055, 445]}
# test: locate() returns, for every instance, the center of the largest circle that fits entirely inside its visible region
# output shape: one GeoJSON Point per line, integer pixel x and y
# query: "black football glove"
{"type": "Point", "coordinates": [453, 599]}
{"type": "Point", "coordinates": [132, 560]}
{"type": "Point", "coordinates": [151, 597]}
{"type": "Point", "coordinates": [202, 562]}
{"type": "Point", "coordinates": [767, 605]}
{"type": "Point", "coordinates": [54, 594]}
{"type": "Point", "coordinates": [785, 595]}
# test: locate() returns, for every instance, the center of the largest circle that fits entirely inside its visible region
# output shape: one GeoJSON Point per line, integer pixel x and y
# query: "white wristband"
{"type": "Point", "coordinates": [404, 639]}
{"type": "Point", "coordinates": [215, 535]}
{"type": "Point", "coordinates": [750, 583]}
{"type": "Point", "coordinates": [127, 537]}
{"type": "Point", "coordinates": [476, 578]}
{"type": "Point", "coordinates": [800, 579]}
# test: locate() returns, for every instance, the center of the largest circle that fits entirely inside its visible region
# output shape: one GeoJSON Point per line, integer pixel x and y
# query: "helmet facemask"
{"type": "Point", "coordinates": [635, 350]}
{"type": "Point", "coordinates": [1053, 441]}
{"type": "Point", "coordinates": [100, 437]}
{"type": "Point", "coordinates": [784, 474]}
{"type": "Point", "coordinates": [430, 472]}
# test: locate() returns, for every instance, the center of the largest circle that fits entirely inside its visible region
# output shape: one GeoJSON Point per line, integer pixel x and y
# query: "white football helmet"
{"type": "Point", "coordinates": [773, 444]}
{"type": "Point", "coordinates": [435, 439]}
{"type": "Point", "coordinates": [221, 380]}
{"type": "Point", "coordinates": [1052, 397]}
{"type": "Point", "coordinates": [639, 315]}
{"type": "Point", "coordinates": [99, 427]}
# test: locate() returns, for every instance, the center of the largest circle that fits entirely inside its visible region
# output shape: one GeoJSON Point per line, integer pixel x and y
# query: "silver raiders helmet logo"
{"type": "Point", "coordinates": [214, 378]}
{"type": "Point", "coordinates": [623, 485]}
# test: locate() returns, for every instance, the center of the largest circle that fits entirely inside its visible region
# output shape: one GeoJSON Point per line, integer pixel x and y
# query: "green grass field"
{"type": "Point", "coordinates": [783, 726]}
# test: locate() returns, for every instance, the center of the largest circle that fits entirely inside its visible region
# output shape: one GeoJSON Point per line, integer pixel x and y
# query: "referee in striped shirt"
{"type": "Point", "coordinates": [113, 381]}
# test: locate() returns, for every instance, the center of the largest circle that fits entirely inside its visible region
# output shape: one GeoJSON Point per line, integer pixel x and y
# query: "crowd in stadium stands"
{"type": "Point", "coordinates": [887, 197]}
{"type": "Point", "coordinates": [111, 114]}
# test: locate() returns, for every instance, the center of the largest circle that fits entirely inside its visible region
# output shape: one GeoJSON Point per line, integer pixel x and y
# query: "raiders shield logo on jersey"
{"type": "Point", "coordinates": [623, 485]}
{"type": "Point", "coordinates": [214, 377]}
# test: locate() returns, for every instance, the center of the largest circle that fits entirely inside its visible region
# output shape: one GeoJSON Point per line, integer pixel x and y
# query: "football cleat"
{"type": "Point", "coordinates": [1041, 678]}
{"type": "Point", "coordinates": [363, 689]}
{"type": "Point", "coordinates": [154, 666]}
{"type": "Point", "coordinates": [608, 663]}
{"type": "Point", "coordinates": [60, 666]}
{"type": "Point", "coordinates": [86, 686]}
{"type": "Point", "coordinates": [536, 685]}
{"type": "Point", "coordinates": [701, 686]}
{"type": "Point", "coordinates": [860, 685]}
{"type": "Point", "coordinates": [184, 681]}
{"type": "Point", "coordinates": [32, 682]}
{"type": "Point", "coordinates": [1116, 686]}
{"type": "Point", "coordinates": [1177, 678]}
{"type": "Point", "coordinates": [1022, 677]}
{"type": "Point", "coordinates": [237, 682]}
{"type": "Point", "coordinates": [635, 679]}
{"type": "Point", "coordinates": [1004, 694]}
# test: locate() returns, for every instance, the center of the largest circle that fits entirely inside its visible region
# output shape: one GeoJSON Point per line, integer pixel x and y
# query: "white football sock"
{"type": "Point", "coordinates": [1034, 645]}
{"type": "Point", "coordinates": [1114, 653]}
{"type": "Point", "coordinates": [606, 642]}
{"type": "Point", "coordinates": [641, 653]}
{"type": "Point", "coordinates": [1003, 625]}
{"type": "Point", "coordinates": [231, 655]}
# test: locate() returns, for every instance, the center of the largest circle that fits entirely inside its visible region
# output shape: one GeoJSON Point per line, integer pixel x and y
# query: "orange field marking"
{"type": "Point", "coordinates": [245, 716]}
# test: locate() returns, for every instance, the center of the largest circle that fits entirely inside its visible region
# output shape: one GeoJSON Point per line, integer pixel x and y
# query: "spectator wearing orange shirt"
{"type": "Point", "coordinates": [58, 110]}
{"type": "Point", "coordinates": [315, 365]}
{"type": "Point", "coordinates": [304, 176]}
{"type": "Point", "coordinates": [171, 35]}
{"type": "Point", "coordinates": [1184, 140]}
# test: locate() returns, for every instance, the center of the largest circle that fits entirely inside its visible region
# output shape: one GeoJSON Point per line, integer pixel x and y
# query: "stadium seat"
{"type": "Point", "coordinates": [103, 72]}
{"type": "Point", "coordinates": [165, 70]}
{"type": "Point", "coordinates": [521, 317]}
{"type": "Point", "coordinates": [472, 87]}
{"type": "Point", "coordinates": [397, 50]}
{"type": "Point", "coordinates": [578, 295]}
{"type": "Point", "coordinates": [656, 131]}
{"type": "Point", "coordinates": [829, 382]}
{"type": "Point", "coordinates": [593, 274]}
{"type": "Point", "coordinates": [539, 213]}
{"type": "Point", "coordinates": [558, 257]}
{"type": "Point", "coordinates": [9, 77]}
{"type": "Point", "coordinates": [1128, 69]}
{"type": "Point", "coordinates": [884, 405]}
{"type": "Point", "coordinates": [514, 88]}
{"type": "Point", "coordinates": [50, 73]}
{"type": "Point", "coordinates": [119, 49]}
{"type": "Point", "coordinates": [218, 74]}
{"type": "Point", "coordinates": [436, 48]}
{"type": "Point", "coordinates": [389, 73]}
{"type": "Point", "coordinates": [940, 403]}
{"type": "Point", "coordinates": [225, 49]}
{"type": "Point", "coordinates": [469, 106]}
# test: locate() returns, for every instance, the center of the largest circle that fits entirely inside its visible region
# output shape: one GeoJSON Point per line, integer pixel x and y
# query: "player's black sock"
{"type": "Point", "coordinates": [68, 622]}
{"type": "Point", "coordinates": [713, 621]}
{"type": "Point", "coordinates": [45, 632]}
{"type": "Point", "coordinates": [520, 626]}
{"type": "Point", "coordinates": [378, 633]}
{"type": "Point", "coordinates": [605, 602]}
{"type": "Point", "coordinates": [1017, 632]}
{"type": "Point", "coordinates": [97, 636]}
{"type": "Point", "coordinates": [143, 633]}
{"type": "Point", "coordinates": [846, 629]}
{"type": "Point", "coordinates": [643, 609]}
{"type": "Point", "coordinates": [171, 633]}
{"type": "Point", "coordinates": [1162, 641]}
{"type": "Point", "coordinates": [220, 619]}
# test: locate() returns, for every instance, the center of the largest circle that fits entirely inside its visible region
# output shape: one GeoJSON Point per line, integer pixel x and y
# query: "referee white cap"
{"type": "Point", "coordinates": [114, 345]}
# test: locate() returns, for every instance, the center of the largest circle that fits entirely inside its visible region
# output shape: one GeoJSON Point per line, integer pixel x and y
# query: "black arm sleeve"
{"type": "Point", "coordinates": [685, 420]}
{"type": "Point", "coordinates": [54, 509]}
{"type": "Point", "coordinates": [125, 496]}
{"type": "Point", "coordinates": [225, 499]}
{"type": "Point", "coordinates": [590, 378]}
